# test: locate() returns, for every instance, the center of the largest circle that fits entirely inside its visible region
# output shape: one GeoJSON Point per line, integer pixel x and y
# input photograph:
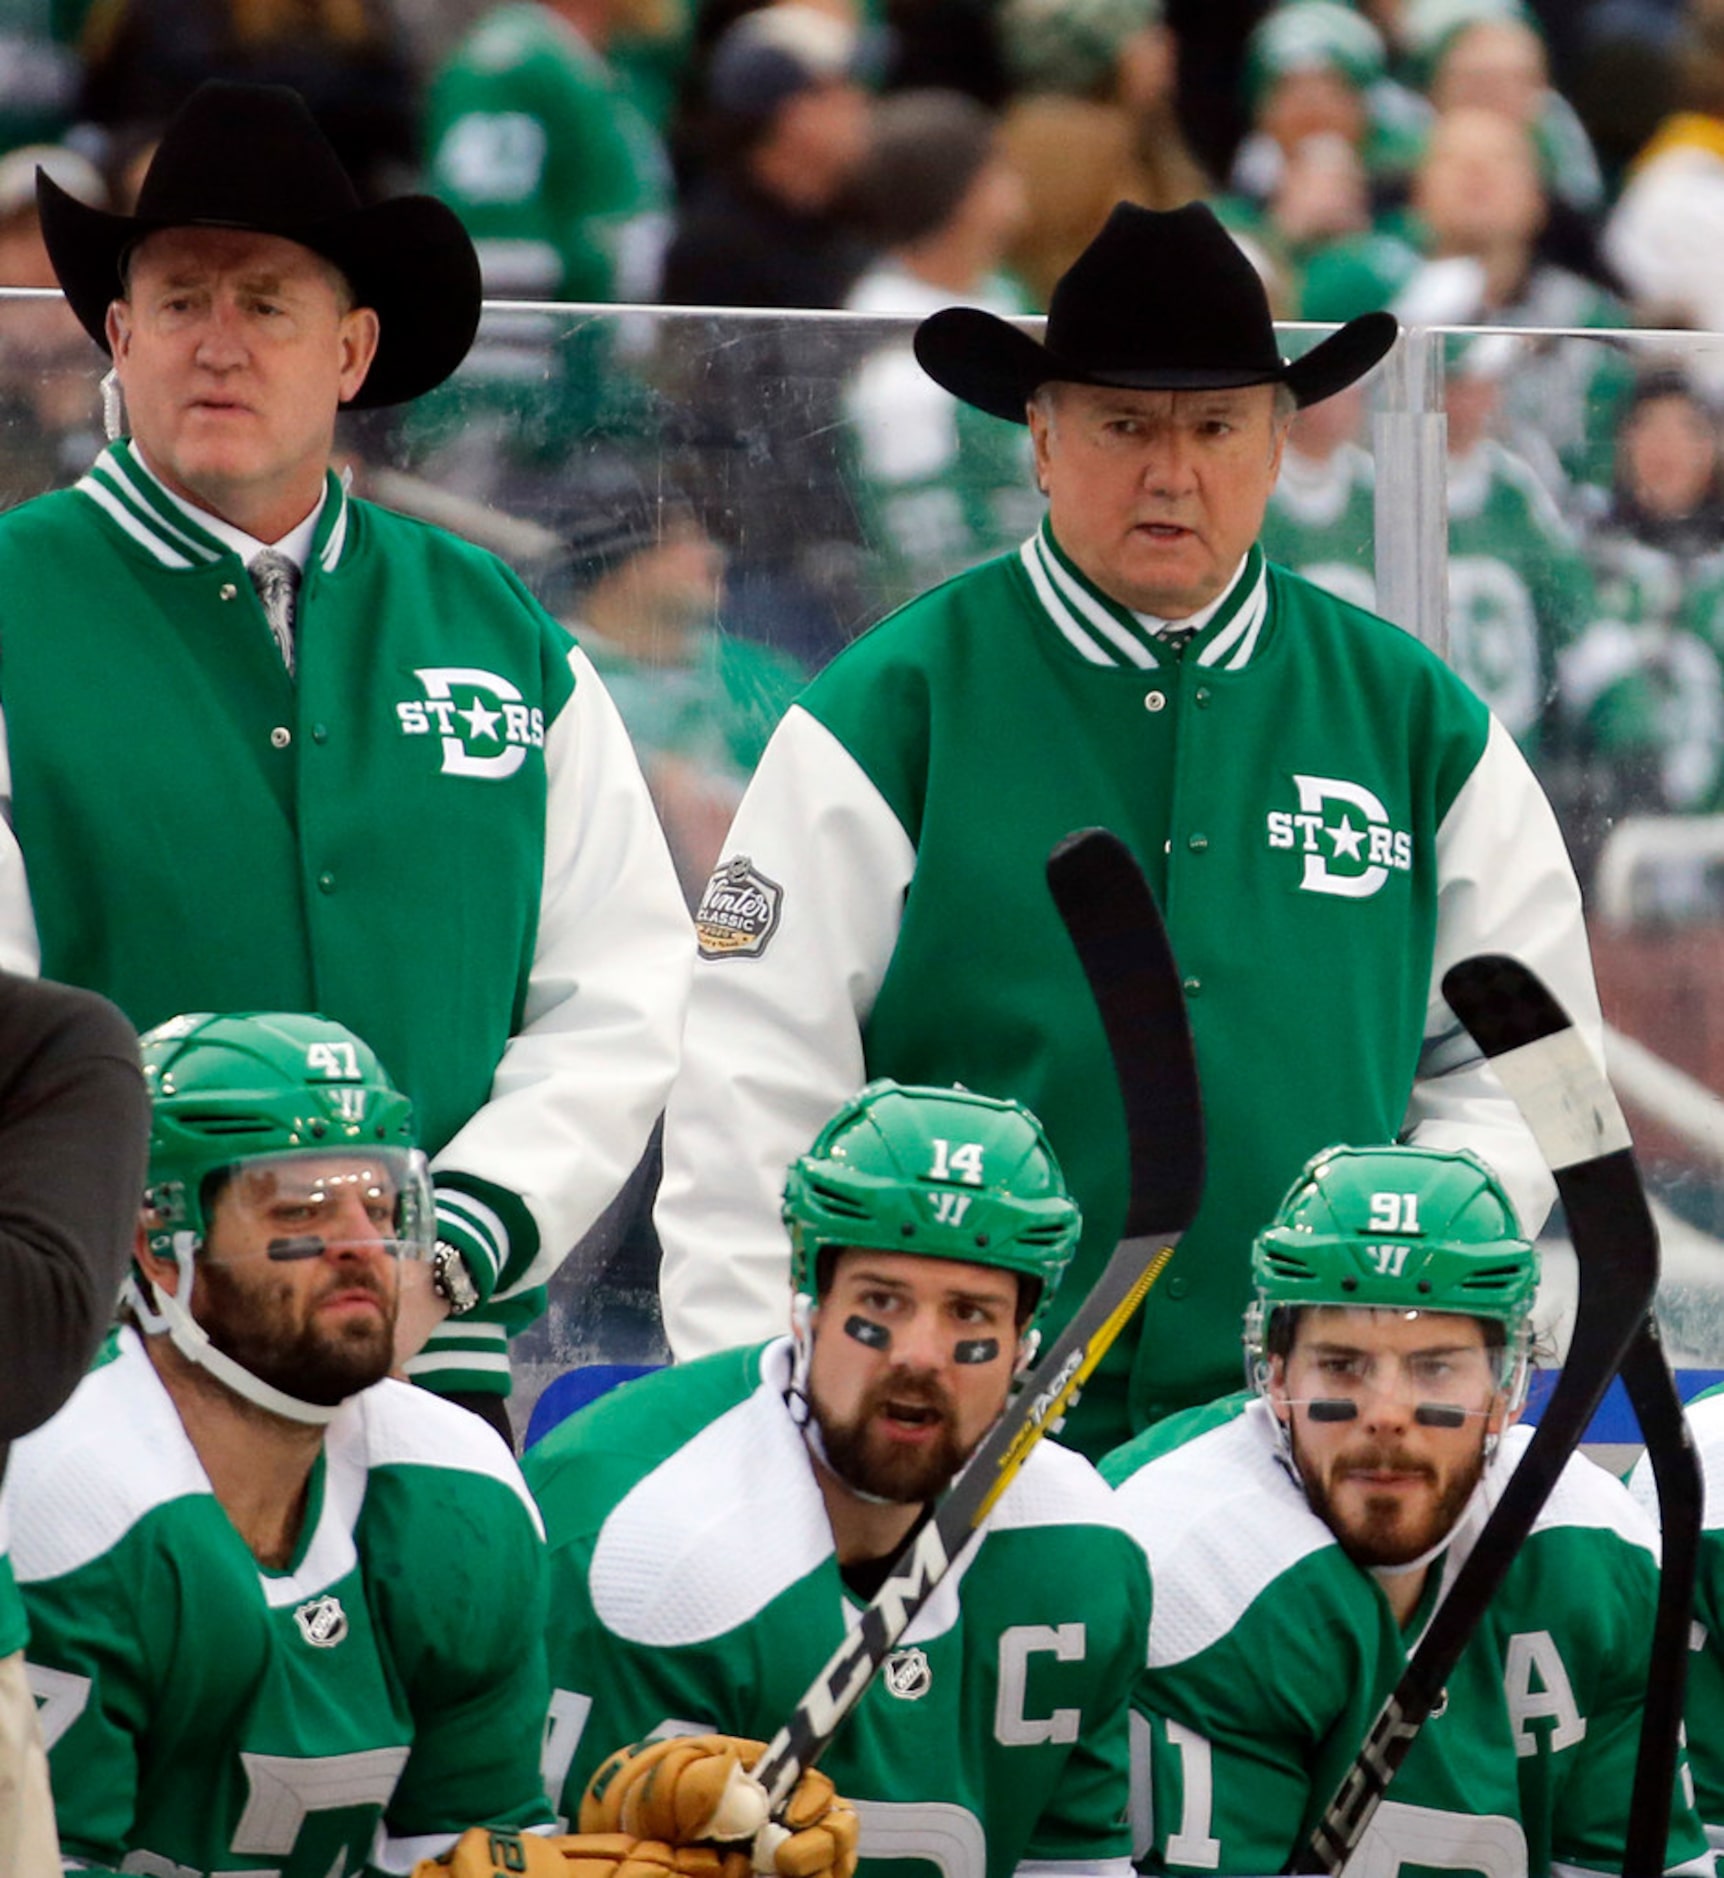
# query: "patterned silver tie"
{"type": "Point", "coordinates": [276, 579]}
{"type": "Point", "coordinates": [1176, 639]}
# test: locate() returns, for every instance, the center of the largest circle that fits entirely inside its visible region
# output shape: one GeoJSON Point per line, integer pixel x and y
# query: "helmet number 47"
{"type": "Point", "coordinates": [334, 1060]}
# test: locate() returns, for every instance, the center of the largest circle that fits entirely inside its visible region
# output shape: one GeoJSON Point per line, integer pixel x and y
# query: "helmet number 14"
{"type": "Point", "coordinates": [963, 1162]}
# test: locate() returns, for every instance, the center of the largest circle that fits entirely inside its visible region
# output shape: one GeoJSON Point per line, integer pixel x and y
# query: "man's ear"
{"type": "Point", "coordinates": [118, 326]}
{"type": "Point", "coordinates": [163, 1273]}
{"type": "Point", "coordinates": [1276, 1389]}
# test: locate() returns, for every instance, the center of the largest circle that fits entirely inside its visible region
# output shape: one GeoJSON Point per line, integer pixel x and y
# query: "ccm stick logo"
{"type": "Point", "coordinates": [887, 1617]}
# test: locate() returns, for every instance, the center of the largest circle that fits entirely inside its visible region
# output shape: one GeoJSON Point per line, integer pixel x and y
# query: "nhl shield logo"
{"type": "Point", "coordinates": [907, 1675]}
{"type": "Point", "coordinates": [739, 911]}
{"type": "Point", "coordinates": [322, 1622]}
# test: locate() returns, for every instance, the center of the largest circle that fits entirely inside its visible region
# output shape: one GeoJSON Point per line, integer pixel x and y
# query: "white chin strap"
{"type": "Point", "coordinates": [801, 1409]}
{"type": "Point", "coordinates": [160, 1311]}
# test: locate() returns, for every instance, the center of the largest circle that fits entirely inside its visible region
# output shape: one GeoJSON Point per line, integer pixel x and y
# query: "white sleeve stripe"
{"type": "Point", "coordinates": [479, 1222]}
{"type": "Point", "coordinates": [476, 1362]}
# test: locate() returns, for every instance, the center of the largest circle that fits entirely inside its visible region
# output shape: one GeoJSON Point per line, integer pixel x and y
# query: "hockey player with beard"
{"type": "Point", "coordinates": [1301, 1538]}
{"type": "Point", "coordinates": [284, 1613]}
{"type": "Point", "coordinates": [715, 1528]}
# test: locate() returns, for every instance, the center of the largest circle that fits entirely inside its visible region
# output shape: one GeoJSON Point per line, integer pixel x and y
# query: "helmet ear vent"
{"type": "Point", "coordinates": [218, 1122]}
{"type": "Point", "coordinates": [1424, 1287]}
{"type": "Point", "coordinates": [837, 1201]}
{"type": "Point", "coordinates": [1349, 1283]}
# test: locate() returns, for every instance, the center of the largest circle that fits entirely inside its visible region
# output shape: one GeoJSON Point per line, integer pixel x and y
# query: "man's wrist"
{"type": "Point", "coordinates": [452, 1280]}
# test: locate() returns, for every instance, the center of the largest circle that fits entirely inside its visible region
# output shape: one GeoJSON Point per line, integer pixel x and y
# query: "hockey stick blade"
{"type": "Point", "coordinates": [1561, 1090]}
{"type": "Point", "coordinates": [1115, 926]}
{"type": "Point", "coordinates": [1681, 1509]}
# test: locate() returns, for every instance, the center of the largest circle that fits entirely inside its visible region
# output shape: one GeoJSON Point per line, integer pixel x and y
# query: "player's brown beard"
{"type": "Point", "coordinates": [1381, 1537]}
{"type": "Point", "coordinates": [865, 1461]}
{"type": "Point", "coordinates": [316, 1363]}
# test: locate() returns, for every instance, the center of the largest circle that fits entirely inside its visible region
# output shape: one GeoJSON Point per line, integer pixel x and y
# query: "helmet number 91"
{"type": "Point", "coordinates": [963, 1162]}
{"type": "Point", "coordinates": [1394, 1212]}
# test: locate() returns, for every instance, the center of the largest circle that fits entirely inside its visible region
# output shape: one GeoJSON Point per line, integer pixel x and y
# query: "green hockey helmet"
{"type": "Point", "coordinates": [1394, 1228]}
{"type": "Point", "coordinates": [943, 1173]}
{"type": "Point", "coordinates": [226, 1090]}
{"type": "Point", "coordinates": [289, 1110]}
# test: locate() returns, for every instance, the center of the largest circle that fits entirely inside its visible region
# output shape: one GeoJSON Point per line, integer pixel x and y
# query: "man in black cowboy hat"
{"type": "Point", "coordinates": [1328, 816]}
{"type": "Point", "coordinates": [275, 748]}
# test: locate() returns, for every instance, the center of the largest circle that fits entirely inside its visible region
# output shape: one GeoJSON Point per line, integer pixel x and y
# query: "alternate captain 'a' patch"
{"type": "Point", "coordinates": [1343, 835]}
{"type": "Point", "coordinates": [739, 911]}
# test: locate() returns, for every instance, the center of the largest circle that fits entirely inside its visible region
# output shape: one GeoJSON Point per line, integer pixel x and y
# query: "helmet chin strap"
{"type": "Point", "coordinates": [802, 1409]}
{"type": "Point", "coordinates": [160, 1311]}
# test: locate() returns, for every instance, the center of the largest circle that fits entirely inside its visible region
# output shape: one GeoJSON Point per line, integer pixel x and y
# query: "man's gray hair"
{"type": "Point", "coordinates": [1284, 409]}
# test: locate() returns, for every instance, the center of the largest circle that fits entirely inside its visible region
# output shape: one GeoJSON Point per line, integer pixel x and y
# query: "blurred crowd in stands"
{"type": "Point", "coordinates": [717, 503]}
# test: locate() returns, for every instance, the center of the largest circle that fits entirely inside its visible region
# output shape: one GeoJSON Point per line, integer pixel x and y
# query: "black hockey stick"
{"type": "Point", "coordinates": [1681, 1508]}
{"type": "Point", "coordinates": [1561, 1089]}
{"type": "Point", "coordinates": [1114, 924]}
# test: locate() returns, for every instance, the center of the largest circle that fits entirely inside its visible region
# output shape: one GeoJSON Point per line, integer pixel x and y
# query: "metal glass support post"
{"type": "Point", "coordinates": [1409, 435]}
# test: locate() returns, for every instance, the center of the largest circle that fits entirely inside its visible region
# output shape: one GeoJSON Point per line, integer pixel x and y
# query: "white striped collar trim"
{"type": "Point", "coordinates": [1075, 612]}
{"type": "Point", "coordinates": [330, 553]}
{"type": "Point", "coordinates": [1100, 633]}
{"type": "Point", "coordinates": [1233, 645]}
{"type": "Point", "coordinates": [121, 490]}
{"type": "Point", "coordinates": [121, 493]}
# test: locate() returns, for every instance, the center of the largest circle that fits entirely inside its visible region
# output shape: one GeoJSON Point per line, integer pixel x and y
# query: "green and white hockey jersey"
{"type": "Point", "coordinates": [941, 484]}
{"type": "Point", "coordinates": [538, 147]}
{"type": "Point", "coordinates": [1321, 522]}
{"type": "Point", "coordinates": [1270, 1653]}
{"type": "Point", "coordinates": [1645, 682]}
{"type": "Point", "coordinates": [348, 1715]}
{"type": "Point", "coordinates": [1705, 1701]}
{"type": "Point", "coordinates": [1328, 816]}
{"type": "Point", "coordinates": [694, 1586]}
{"type": "Point", "coordinates": [434, 831]}
{"type": "Point", "coordinates": [1520, 592]}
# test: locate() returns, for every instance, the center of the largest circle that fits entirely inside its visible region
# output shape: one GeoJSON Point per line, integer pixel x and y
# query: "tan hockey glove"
{"type": "Point", "coordinates": [818, 1838]}
{"type": "Point", "coordinates": [622, 1855]}
{"type": "Point", "coordinates": [689, 1788]}
{"type": "Point", "coordinates": [697, 1787]}
{"type": "Point", "coordinates": [496, 1852]}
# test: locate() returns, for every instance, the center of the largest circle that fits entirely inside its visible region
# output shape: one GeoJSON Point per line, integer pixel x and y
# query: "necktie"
{"type": "Point", "coordinates": [1177, 638]}
{"type": "Point", "coordinates": [276, 579]}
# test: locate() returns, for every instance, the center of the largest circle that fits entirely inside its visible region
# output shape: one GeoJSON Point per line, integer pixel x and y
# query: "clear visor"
{"type": "Point", "coordinates": [1442, 1384]}
{"type": "Point", "coordinates": [292, 1206]}
{"type": "Point", "coordinates": [1442, 1387]}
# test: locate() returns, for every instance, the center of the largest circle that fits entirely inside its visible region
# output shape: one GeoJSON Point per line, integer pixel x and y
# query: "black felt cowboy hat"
{"type": "Point", "coordinates": [1158, 301]}
{"type": "Point", "coordinates": [252, 157]}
